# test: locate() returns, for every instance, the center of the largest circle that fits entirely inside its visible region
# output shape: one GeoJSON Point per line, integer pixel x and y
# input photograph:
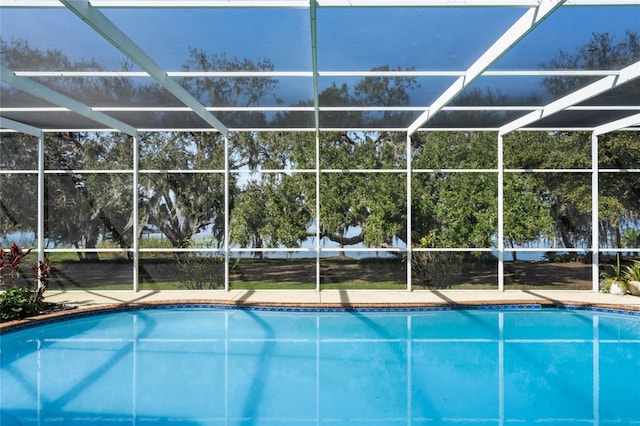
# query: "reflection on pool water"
{"type": "Point", "coordinates": [188, 366]}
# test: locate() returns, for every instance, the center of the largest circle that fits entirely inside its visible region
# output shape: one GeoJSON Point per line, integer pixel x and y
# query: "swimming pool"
{"type": "Point", "coordinates": [188, 366]}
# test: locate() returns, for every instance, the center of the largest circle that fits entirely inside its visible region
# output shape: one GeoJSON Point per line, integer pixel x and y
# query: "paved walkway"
{"type": "Point", "coordinates": [345, 298]}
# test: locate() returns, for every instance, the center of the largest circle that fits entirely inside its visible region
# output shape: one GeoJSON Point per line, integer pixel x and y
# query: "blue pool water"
{"type": "Point", "coordinates": [247, 367]}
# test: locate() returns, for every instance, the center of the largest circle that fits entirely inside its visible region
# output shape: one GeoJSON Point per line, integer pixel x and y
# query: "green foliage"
{"type": "Point", "coordinates": [17, 303]}
{"type": "Point", "coordinates": [373, 203]}
{"type": "Point", "coordinates": [467, 209]}
{"type": "Point", "coordinates": [611, 285]}
{"type": "Point", "coordinates": [273, 150]}
{"type": "Point", "coordinates": [526, 216]}
{"type": "Point", "coordinates": [249, 217]}
{"type": "Point", "coordinates": [437, 270]}
{"type": "Point", "coordinates": [631, 238]}
{"type": "Point", "coordinates": [455, 150]}
{"type": "Point", "coordinates": [200, 271]}
{"type": "Point", "coordinates": [18, 212]}
{"type": "Point", "coordinates": [275, 210]}
{"type": "Point", "coordinates": [449, 208]}
{"type": "Point", "coordinates": [616, 268]}
{"type": "Point", "coordinates": [613, 276]}
{"type": "Point", "coordinates": [566, 197]}
{"type": "Point", "coordinates": [545, 150]}
{"type": "Point", "coordinates": [619, 192]}
{"type": "Point", "coordinates": [555, 257]}
{"type": "Point", "coordinates": [82, 207]}
{"type": "Point", "coordinates": [180, 205]}
{"type": "Point", "coordinates": [21, 302]}
{"type": "Point", "coordinates": [454, 209]}
{"type": "Point", "coordinates": [632, 272]}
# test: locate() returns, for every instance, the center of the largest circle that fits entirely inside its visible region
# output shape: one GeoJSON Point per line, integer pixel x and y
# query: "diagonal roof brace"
{"type": "Point", "coordinates": [604, 84]}
{"type": "Point", "coordinates": [522, 27]}
{"type": "Point", "coordinates": [43, 92]}
{"type": "Point", "coordinates": [7, 123]}
{"type": "Point", "coordinates": [632, 120]}
{"type": "Point", "coordinates": [101, 24]}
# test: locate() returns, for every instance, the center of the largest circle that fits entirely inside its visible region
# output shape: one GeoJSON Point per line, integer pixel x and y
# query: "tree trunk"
{"type": "Point", "coordinates": [92, 242]}
{"type": "Point", "coordinates": [564, 234]}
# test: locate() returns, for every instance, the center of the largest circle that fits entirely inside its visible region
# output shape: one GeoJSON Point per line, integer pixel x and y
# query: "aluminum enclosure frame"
{"type": "Point", "coordinates": [536, 12]}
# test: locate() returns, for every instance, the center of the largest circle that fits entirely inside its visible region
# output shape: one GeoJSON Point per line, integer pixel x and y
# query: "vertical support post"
{"type": "Point", "coordinates": [226, 212]}
{"type": "Point", "coordinates": [313, 21]}
{"type": "Point", "coordinates": [500, 213]}
{"type": "Point", "coordinates": [135, 244]}
{"type": "Point", "coordinates": [409, 215]}
{"type": "Point", "coordinates": [317, 218]}
{"type": "Point", "coordinates": [595, 222]}
{"type": "Point", "coordinates": [40, 225]}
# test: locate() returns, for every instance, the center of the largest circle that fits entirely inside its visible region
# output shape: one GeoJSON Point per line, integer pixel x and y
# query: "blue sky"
{"type": "Point", "coordinates": [350, 38]}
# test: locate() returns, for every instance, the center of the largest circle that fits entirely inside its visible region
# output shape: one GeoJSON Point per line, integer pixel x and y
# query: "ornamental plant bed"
{"type": "Point", "coordinates": [19, 303]}
{"type": "Point", "coordinates": [22, 302]}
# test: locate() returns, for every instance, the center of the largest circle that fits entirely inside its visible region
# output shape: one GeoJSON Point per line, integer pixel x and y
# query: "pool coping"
{"type": "Point", "coordinates": [271, 301]}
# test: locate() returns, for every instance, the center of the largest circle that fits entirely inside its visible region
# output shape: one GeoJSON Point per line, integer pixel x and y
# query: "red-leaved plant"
{"type": "Point", "coordinates": [17, 302]}
{"type": "Point", "coordinates": [42, 271]}
{"type": "Point", "coordinates": [10, 262]}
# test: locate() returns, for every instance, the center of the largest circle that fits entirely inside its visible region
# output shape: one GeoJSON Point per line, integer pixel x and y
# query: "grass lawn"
{"type": "Point", "coordinates": [160, 273]}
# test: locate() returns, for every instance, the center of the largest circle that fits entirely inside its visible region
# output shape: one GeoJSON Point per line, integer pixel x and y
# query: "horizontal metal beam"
{"type": "Point", "coordinates": [57, 98]}
{"type": "Point", "coordinates": [348, 108]}
{"type": "Point", "coordinates": [305, 3]}
{"type": "Point", "coordinates": [309, 74]}
{"type": "Point", "coordinates": [464, 3]}
{"type": "Point", "coordinates": [330, 129]}
{"type": "Point", "coordinates": [101, 24]}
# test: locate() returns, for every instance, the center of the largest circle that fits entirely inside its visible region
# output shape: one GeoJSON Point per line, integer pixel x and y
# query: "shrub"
{"type": "Point", "coordinates": [436, 270]}
{"type": "Point", "coordinates": [200, 272]}
{"type": "Point", "coordinates": [17, 303]}
{"type": "Point", "coordinates": [613, 280]}
{"type": "Point", "coordinates": [632, 272]}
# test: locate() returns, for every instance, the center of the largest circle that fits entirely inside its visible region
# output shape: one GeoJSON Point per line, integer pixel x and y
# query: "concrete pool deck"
{"type": "Point", "coordinates": [94, 301]}
{"type": "Point", "coordinates": [346, 298]}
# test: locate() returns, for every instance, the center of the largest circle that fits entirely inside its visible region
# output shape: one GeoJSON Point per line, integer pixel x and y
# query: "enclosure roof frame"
{"type": "Point", "coordinates": [535, 12]}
